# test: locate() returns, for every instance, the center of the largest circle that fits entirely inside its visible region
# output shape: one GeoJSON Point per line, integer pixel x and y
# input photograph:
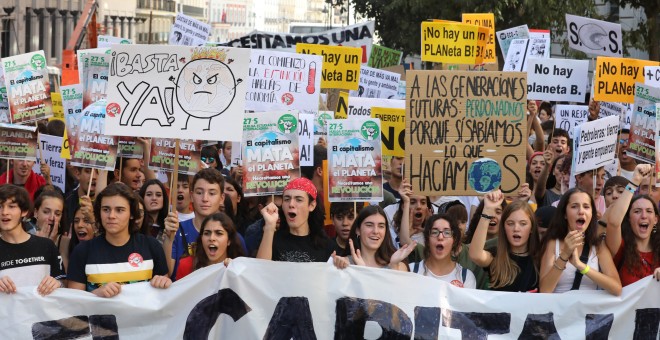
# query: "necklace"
{"type": "Point", "coordinates": [525, 253]}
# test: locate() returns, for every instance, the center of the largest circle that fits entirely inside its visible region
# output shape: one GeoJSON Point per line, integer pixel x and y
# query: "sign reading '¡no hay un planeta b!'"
{"type": "Point", "coordinates": [466, 132]}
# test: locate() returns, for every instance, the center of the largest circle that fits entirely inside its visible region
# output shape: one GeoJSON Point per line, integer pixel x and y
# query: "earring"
{"type": "Point", "coordinates": [655, 228]}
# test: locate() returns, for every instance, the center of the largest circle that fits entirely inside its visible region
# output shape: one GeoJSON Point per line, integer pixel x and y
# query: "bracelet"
{"type": "Point", "coordinates": [561, 258]}
{"type": "Point", "coordinates": [487, 216]}
{"type": "Point", "coordinates": [558, 267]}
{"type": "Point", "coordinates": [585, 270]}
{"type": "Point", "coordinates": [630, 188]}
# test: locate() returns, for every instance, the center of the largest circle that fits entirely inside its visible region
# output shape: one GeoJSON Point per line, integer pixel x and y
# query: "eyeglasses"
{"type": "Point", "coordinates": [447, 233]}
{"type": "Point", "coordinates": [622, 141]}
{"type": "Point", "coordinates": [208, 160]}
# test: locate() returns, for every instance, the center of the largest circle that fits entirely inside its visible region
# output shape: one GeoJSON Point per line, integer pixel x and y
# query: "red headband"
{"type": "Point", "coordinates": [537, 153]}
{"type": "Point", "coordinates": [303, 184]}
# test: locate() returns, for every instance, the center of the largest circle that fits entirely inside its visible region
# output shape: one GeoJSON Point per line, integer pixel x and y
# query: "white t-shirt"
{"type": "Point", "coordinates": [185, 217]}
{"type": "Point", "coordinates": [455, 277]}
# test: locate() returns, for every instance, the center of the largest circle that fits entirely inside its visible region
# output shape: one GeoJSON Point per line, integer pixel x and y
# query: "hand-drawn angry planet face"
{"type": "Point", "coordinates": [205, 88]}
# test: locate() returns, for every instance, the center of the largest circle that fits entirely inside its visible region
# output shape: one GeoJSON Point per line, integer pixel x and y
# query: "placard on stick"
{"type": "Point", "coordinates": [450, 42]}
{"type": "Point", "coordinates": [484, 20]}
{"type": "Point", "coordinates": [595, 144]}
{"type": "Point", "coordinates": [616, 77]}
{"type": "Point", "coordinates": [643, 124]}
{"type": "Point", "coordinates": [466, 132]}
{"type": "Point", "coordinates": [557, 79]}
{"type": "Point", "coordinates": [341, 65]}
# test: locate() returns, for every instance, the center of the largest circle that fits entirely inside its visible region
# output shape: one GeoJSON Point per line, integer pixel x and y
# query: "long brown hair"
{"type": "Point", "coordinates": [386, 249]}
{"type": "Point", "coordinates": [234, 249]}
{"type": "Point", "coordinates": [631, 258]}
{"type": "Point", "coordinates": [503, 270]}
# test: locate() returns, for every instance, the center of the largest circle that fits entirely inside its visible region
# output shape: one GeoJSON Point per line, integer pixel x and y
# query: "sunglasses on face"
{"type": "Point", "coordinates": [208, 160]}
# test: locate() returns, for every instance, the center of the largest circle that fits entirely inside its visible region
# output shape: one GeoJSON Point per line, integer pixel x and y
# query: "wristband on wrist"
{"type": "Point", "coordinates": [558, 267]}
{"type": "Point", "coordinates": [585, 270]}
{"type": "Point", "coordinates": [631, 188]}
{"type": "Point", "coordinates": [561, 258]}
{"type": "Point", "coordinates": [487, 216]}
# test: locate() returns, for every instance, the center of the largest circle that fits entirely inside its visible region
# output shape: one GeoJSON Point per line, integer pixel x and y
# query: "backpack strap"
{"type": "Point", "coordinates": [416, 267]}
{"type": "Point", "coordinates": [584, 257]}
{"type": "Point", "coordinates": [464, 274]}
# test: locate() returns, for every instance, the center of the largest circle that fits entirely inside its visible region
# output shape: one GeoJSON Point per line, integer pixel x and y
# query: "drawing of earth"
{"type": "Point", "coordinates": [484, 175]}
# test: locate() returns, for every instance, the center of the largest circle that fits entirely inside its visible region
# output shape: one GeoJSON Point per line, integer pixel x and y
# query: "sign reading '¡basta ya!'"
{"type": "Point", "coordinates": [467, 131]}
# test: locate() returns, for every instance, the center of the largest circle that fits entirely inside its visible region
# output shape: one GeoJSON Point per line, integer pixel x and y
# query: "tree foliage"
{"type": "Point", "coordinates": [398, 22]}
{"type": "Point", "coordinates": [646, 36]}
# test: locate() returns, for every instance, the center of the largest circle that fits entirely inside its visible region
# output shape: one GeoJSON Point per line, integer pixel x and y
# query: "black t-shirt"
{"type": "Point", "coordinates": [29, 262]}
{"type": "Point", "coordinates": [527, 279]}
{"type": "Point", "coordinates": [292, 248]}
{"type": "Point", "coordinates": [96, 262]}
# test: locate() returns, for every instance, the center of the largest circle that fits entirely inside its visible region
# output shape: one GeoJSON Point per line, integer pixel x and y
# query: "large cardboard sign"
{"type": "Point", "coordinates": [652, 76]}
{"type": "Point", "coordinates": [51, 147]}
{"type": "Point", "coordinates": [341, 65]}
{"type": "Point", "coordinates": [392, 130]}
{"type": "Point", "coordinates": [358, 35]}
{"type": "Point", "coordinates": [451, 42]}
{"type": "Point", "coordinates": [257, 303]}
{"type": "Point", "coordinates": [28, 87]}
{"type": "Point", "coordinates": [466, 132]}
{"type": "Point", "coordinates": [375, 83]}
{"type": "Point", "coordinates": [270, 152]}
{"type": "Point", "coordinates": [354, 153]}
{"type": "Point", "coordinates": [18, 142]}
{"type": "Point", "coordinates": [594, 37]}
{"type": "Point", "coordinates": [177, 92]}
{"type": "Point", "coordinates": [557, 79]}
{"type": "Point", "coordinates": [567, 117]}
{"type": "Point", "coordinates": [95, 81]}
{"type": "Point", "coordinates": [188, 31]}
{"type": "Point", "coordinates": [484, 20]}
{"type": "Point", "coordinates": [92, 148]}
{"type": "Point", "coordinates": [521, 50]}
{"type": "Point", "coordinates": [616, 77]}
{"type": "Point", "coordinates": [642, 125]}
{"type": "Point", "coordinates": [505, 37]}
{"type": "Point", "coordinates": [594, 144]}
{"type": "Point", "coordinates": [382, 57]}
{"type": "Point", "coordinates": [284, 81]}
{"type": "Point", "coordinates": [361, 107]}
{"type": "Point", "coordinates": [163, 151]}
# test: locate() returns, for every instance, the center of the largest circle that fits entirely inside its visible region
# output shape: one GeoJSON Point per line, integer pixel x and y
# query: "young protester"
{"type": "Point", "coordinates": [647, 187]}
{"type": "Point", "coordinates": [130, 173]}
{"type": "Point", "coordinates": [411, 211]}
{"type": "Point", "coordinates": [511, 266]}
{"type": "Point", "coordinates": [573, 256]}
{"type": "Point", "coordinates": [48, 215]}
{"type": "Point", "coordinates": [558, 142]}
{"type": "Point", "coordinates": [536, 164]}
{"type": "Point", "coordinates": [218, 242]}
{"type": "Point", "coordinates": [83, 176]}
{"type": "Point", "coordinates": [207, 196]}
{"type": "Point", "coordinates": [585, 181]}
{"type": "Point", "coordinates": [82, 229]}
{"type": "Point", "coordinates": [209, 155]}
{"type": "Point", "coordinates": [626, 163]}
{"type": "Point", "coordinates": [442, 238]}
{"type": "Point", "coordinates": [120, 255]}
{"type": "Point", "coordinates": [396, 176]}
{"type": "Point", "coordinates": [183, 205]}
{"type": "Point", "coordinates": [370, 243]}
{"type": "Point", "coordinates": [613, 189]}
{"type": "Point", "coordinates": [300, 237]}
{"type": "Point", "coordinates": [156, 204]}
{"type": "Point", "coordinates": [21, 174]}
{"type": "Point", "coordinates": [632, 231]}
{"type": "Point", "coordinates": [543, 217]}
{"type": "Point", "coordinates": [545, 112]}
{"type": "Point", "coordinates": [343, 215]}
{"type": "Point", "coordinates": [25, 260]}
{"type": "Point", "coordinates": [234, 193]}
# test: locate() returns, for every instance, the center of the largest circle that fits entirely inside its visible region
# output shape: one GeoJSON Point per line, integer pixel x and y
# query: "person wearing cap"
{"type": "Point", "coordinates": [301, 237]}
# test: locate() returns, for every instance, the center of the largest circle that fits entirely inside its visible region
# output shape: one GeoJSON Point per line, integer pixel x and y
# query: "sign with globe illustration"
{"type": "Point", "coordinates": [484, 175]}
{"type": "Point", "coordinates": [466, 132]}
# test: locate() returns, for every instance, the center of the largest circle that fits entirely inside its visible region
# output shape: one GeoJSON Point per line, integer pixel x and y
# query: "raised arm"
{"type": "Point", "coordinates": [270, 214]}
{"type": "Point", "coordinates": [492, 201]}
{"type": "Point", "coordinates": [539, 188]}
{"type": "Point", "coordinates": [146, 145]}
{"type": "Point", "coordinates": [405, 190]}
{"type": "Point", "coordinates": [617, 211]}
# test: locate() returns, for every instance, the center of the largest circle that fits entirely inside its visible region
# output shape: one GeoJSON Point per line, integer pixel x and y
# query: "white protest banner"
{"type": "Point", "coordinates": [108, 40]}
{"type": "Point", "coordinates": [177, 92]}
{"type": "Point", "coordinates": [505, 37]}
{"type": "Point", "coordinates": [521, 50]}
{"type": "Point", "coordinates": [305, 139]}
{"type": "Point", "coordinates": [283, 81]}
{"type": "Point", "coordinates": [375, 83]}
{"type": "Point", "coordinates": [594, 144]}
{"type": "Point", "coordinates": [321, 125]}
{"type": "Point", "coordinates": [593, 36]}
{"type": "Point", "coordinates": [570, 116]}
{"type": "Point", "coordinates": [361, 107]}
{"type": "Point", "coordinates": [557, 79]}
{"type": "Point", "coordinates": [93, 149]}
{"type": "Point", "coordinates": [18, 142]}
{"type": "Point", "coordinates": [95, 81]}
{"type": "Point", "coordinates": [652, 75]}
{"type": "Point", "coordinates": [642, 125]}
{"type": "Point", "coordinates": [354, 160]}
{"type": "Point", "coordinates": [28, 87]}
{"type": "Point", "coordinates": [255, 299]}
{"type": "Point", "coordinates": [358, 35]}
{"type": "Point", "coordinates": [188, 31]}
{"type": "Point", "coordinates": [51, 146]}
{"type": "Point", "coordinates": [270, 152]}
